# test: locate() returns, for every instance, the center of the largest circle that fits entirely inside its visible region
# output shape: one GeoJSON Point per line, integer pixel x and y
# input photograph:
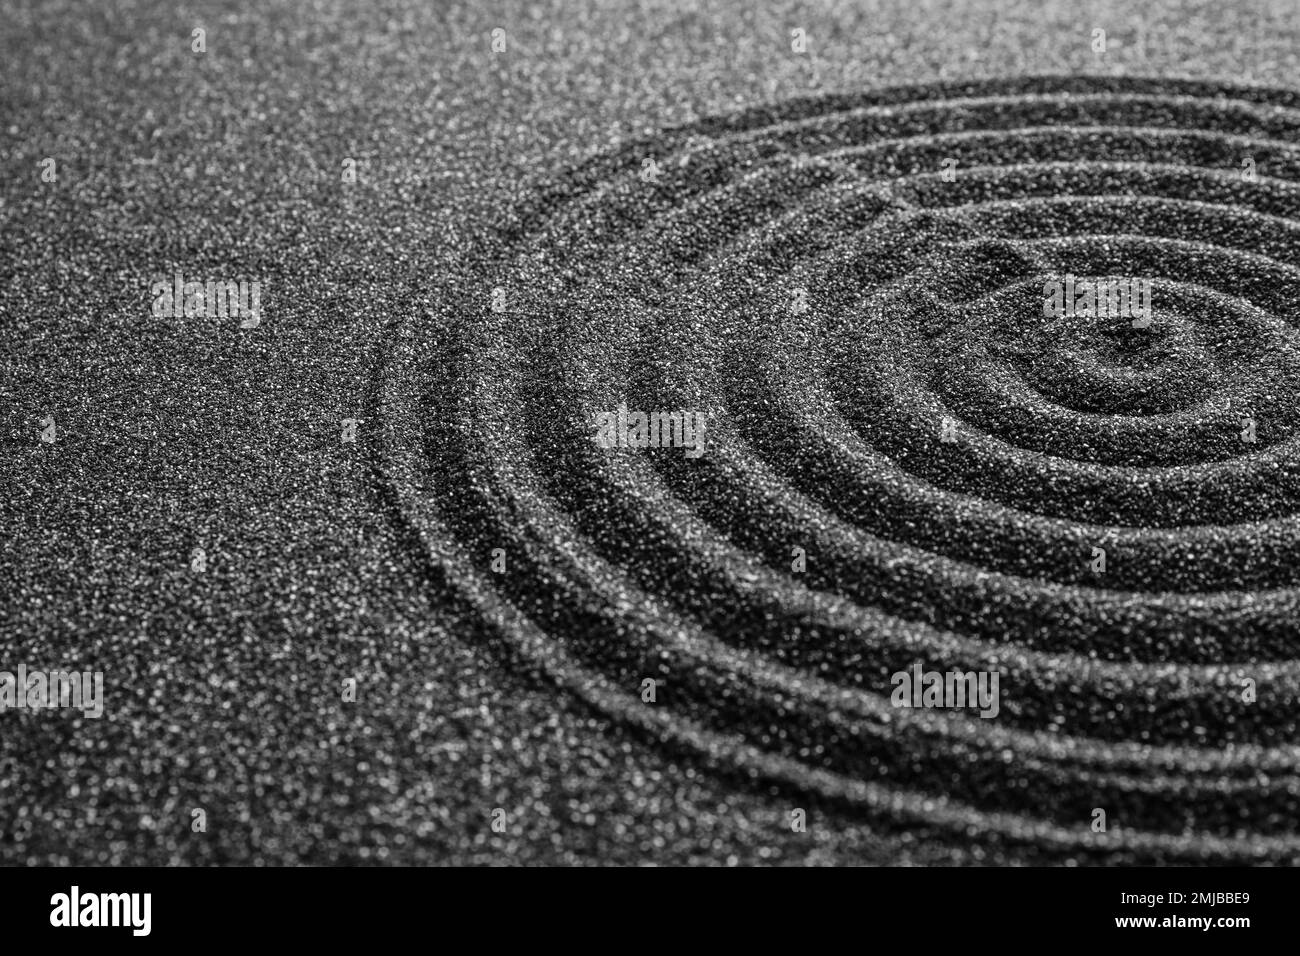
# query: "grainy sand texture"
{"type": "Point", "coordinates": [636, 402]}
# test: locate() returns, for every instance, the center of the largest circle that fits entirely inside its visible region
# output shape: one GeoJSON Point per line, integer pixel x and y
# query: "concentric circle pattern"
{"type": "Point", "coordinates": [861, 320]}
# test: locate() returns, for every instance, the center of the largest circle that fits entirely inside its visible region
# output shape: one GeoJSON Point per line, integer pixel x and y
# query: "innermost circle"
{"type": "Point", "coordinates": [1107, 366]}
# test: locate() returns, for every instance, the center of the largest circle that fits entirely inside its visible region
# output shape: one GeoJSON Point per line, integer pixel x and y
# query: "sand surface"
{"type": "Point", "coordinates": [794, 265]}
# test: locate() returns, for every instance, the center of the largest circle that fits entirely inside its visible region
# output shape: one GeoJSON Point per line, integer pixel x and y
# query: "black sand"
{"type": "Point", "coordinates": [521, 690]}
